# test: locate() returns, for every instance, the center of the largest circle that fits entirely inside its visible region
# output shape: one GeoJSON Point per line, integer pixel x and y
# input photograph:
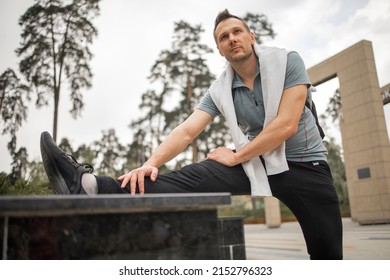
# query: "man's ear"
{"type": "Point", "coordinates": [220, 51]}
{"type": "Point", "coordinates": [253, 38]}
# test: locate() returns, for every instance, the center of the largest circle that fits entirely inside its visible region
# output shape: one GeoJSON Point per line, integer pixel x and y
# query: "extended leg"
{"type": "Point", "coordinates": [66, 175]}
{"type": "Point", "coordinates": [206, 176]}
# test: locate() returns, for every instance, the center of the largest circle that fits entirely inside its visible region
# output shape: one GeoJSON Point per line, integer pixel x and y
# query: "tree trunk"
{"type": "Point", "coordinates": [1, 101]}
{"type": "Point", "coordinates": [189, 89]}
{"type": "Point", "coordinates": [55, 117]}
{"type": "Point", "coordinates": [195, 153]}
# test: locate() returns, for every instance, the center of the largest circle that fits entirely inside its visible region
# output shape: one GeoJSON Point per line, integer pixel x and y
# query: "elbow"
{"type": "Point", "coordinates": [291, 130]}
{"type": "Point", "coordinates": [188, 138]}
{"type": "Point", "coordinates": [185, 135]}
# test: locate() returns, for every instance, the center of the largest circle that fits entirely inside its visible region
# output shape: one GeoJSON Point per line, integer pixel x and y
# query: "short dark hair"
{"type": "Point", "coordinates": [225, 14]}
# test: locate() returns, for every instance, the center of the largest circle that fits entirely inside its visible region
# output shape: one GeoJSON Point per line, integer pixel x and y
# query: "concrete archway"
{"type": "Point", "coordinates": [363, 130]}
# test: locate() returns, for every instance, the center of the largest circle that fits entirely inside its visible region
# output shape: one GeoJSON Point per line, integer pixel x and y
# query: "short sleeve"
{"type": "Point", "coordinates": [207, 104]}
{"type": "Point", "coordinates": [296, 73]}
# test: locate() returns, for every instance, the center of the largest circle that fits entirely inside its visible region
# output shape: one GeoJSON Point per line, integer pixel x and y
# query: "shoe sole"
{"type": "Point", "coordinates": [56, 180]}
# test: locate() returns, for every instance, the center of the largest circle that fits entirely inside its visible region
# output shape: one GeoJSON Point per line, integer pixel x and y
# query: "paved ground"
{"type": "Point", "coordinates": [368, 242]}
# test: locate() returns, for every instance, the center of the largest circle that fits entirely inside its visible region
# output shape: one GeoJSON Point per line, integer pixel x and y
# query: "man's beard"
{"type": "Point", "coordinates": [241, 57]}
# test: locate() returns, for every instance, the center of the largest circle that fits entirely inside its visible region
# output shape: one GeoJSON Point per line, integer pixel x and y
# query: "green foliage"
{"type": "Point", "coordinates": [13, 98]}
{"type": "Point", "coordinates": [19, 164]}
{"type": "Point", "coordinates": [334, 106]}
{"type": "Point", "coordinates": [86, 153]}
{"type": "Point", "coordinates": [23, 187]}
{"type": "Point", "coordinates": [111, 153]}
{"type": "Point", "coordinates": [36, 184]}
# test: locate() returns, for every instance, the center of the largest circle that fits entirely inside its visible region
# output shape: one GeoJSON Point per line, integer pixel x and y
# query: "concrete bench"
{"type": "Point", "coordinates": [153, 226]}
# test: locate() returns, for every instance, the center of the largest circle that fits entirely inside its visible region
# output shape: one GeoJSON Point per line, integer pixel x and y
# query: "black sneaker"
{"type": "Point", "coordinates": [63, 171]}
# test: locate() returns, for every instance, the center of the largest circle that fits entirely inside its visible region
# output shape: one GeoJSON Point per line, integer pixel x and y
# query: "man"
{"type": "Point", "coordinates": [264, 91]}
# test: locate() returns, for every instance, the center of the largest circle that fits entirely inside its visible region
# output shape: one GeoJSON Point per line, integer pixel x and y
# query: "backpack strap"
{"type": "Point", "coordinates": [312, 108]}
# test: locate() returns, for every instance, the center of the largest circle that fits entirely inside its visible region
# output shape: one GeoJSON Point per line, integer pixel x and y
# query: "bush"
{"type": "Point", "coordinates": [35, 186]}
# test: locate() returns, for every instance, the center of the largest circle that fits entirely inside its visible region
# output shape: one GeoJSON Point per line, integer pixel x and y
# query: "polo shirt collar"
{"type": "Point", "coordinates": [237, 82]}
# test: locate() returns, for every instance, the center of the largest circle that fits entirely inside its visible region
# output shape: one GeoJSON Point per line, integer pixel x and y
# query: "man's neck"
{"type": "Point", "coordinates": [246, 70]}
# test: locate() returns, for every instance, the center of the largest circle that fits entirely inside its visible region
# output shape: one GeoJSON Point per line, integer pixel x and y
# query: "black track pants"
{"type": "Point", "coordinates": [307, 189]}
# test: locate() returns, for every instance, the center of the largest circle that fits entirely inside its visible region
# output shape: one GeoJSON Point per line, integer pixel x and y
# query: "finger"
{"type": "Point", "coordinates": [125, 179]}
{"type": "Point", "coordinates": [133, 182]}
{"type": "Point", "coordinates": [154, 174]}
{"type": "Point", "coordinates": [211, 155]}
{"type": "Point", "coordinates": [141, 185]}
{"type": "Point", "coordinates": [120, 178]}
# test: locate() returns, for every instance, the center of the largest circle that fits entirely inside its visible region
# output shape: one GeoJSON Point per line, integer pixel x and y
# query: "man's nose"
{"type": "Point", "coordinates": [232, 38]}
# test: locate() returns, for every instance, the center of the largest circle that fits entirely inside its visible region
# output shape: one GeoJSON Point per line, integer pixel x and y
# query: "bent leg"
{"type": "Point", "coordinates": [309, 192]}
{"type": "Point", "coordinates": [205, 176]}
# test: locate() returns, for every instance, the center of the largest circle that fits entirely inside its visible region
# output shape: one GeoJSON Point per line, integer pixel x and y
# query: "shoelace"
{"type": "Point", "coordinates": [74, 162]}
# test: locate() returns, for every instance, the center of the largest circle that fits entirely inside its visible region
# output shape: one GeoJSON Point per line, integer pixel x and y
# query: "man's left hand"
{"type": "Point", "coordinates": [223, 155]}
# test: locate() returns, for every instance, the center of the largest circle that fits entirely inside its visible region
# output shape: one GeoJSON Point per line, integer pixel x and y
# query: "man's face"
{"type": "Point", "coordinates": [234, 42]}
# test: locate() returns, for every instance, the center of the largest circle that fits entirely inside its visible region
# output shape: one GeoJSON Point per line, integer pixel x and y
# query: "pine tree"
{"type": "Point", "coordinates": [261, 27]}
{"type": "Point", "coordinates": [56, 35]}
{"type": "Point", "coordinates": [111, 152]}
{"type": "Point", "coordinates": [183, 76]}
{"type": "Point", "coordinates": [14, 96]}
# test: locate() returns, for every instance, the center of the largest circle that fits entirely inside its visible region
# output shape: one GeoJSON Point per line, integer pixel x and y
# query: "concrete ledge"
{"type": "Point", "coordinates": [153, 226]}
{"type": "Point", "coordinates": [54, 205]}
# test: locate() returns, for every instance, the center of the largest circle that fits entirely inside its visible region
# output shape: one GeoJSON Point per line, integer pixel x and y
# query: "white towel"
{"type": "Point", "coordinates": [273, 63]}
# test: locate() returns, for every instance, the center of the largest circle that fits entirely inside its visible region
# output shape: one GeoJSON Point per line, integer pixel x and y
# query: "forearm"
{"type": "Point", "coordinates": [172, 146]}
{"type": "Point", "coordinates": [180, 138]}
{"type": "Point", "coordinates": [270, 138]}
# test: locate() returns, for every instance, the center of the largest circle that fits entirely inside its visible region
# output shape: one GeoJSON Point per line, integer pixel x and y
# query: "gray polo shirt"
{"type": "Point", "coordinates": [306, 144]}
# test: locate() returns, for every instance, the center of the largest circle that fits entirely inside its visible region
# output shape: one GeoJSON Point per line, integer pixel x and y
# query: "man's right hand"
{"type": "Point", "coordinates": [138, 176]}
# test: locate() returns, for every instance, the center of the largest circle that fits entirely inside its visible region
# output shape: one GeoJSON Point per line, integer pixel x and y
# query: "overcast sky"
{"type": "Point", "coordinates": [133, 32]}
